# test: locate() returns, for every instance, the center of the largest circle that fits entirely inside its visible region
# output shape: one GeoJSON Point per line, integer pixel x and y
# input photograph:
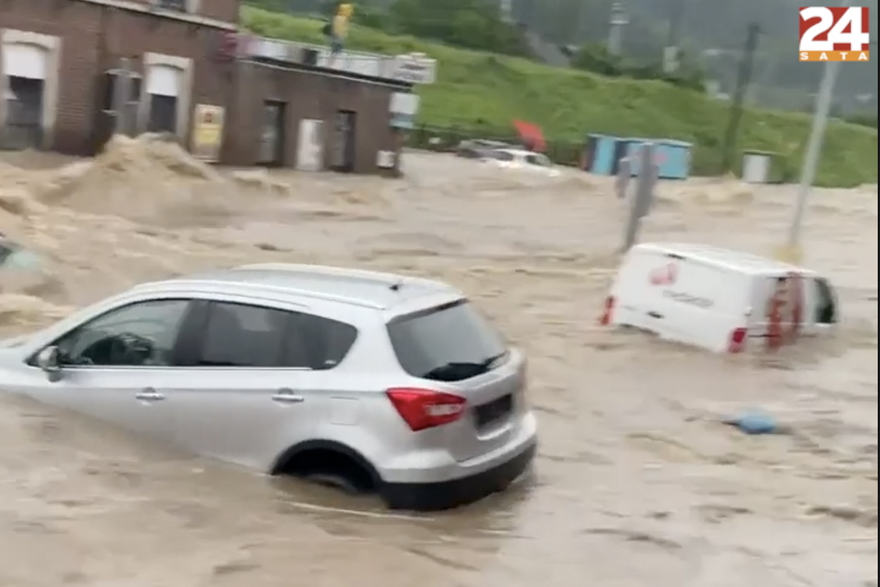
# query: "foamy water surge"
{"type": "Point", "coordinates": [636, 483]}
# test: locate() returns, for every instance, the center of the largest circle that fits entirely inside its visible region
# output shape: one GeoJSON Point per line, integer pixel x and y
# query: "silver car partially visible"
{"type": "Point", "coordinates": [360, 380]}
{"type": "Point", "coordinates": [479, 148]}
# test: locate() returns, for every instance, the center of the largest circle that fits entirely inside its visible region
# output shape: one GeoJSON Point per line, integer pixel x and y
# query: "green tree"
{"type": "Point", "coordinates": [474, 24]}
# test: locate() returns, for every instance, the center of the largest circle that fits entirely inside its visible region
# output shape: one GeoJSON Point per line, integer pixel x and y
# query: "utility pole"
{"type": "Point", "coordinates": [792, 252]}
{"type": "Point", "coordinates": [743, 78]}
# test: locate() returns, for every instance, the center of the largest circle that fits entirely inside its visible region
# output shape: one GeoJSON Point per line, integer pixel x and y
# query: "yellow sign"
{"type": "Point", "coordinates": [207, 136]}
{"type": "Point", "coordinates": [340, 21]}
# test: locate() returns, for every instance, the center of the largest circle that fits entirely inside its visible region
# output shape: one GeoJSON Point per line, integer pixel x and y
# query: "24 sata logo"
{"type": "Point", "coordinates": [834, 34]}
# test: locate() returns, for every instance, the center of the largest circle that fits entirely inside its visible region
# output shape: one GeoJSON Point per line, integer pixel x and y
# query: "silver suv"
{"type": "Point", "coordinates": [366, 381]}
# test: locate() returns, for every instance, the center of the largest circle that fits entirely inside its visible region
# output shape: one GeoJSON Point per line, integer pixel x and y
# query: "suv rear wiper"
{"type": "Point", "coordinates": [489, 362]}
{"type": "Point", "coordinates": [456, 370]}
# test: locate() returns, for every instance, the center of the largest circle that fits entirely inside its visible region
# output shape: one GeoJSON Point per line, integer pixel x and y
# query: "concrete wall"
{"type": "Point", "coordinates": [308, 95]}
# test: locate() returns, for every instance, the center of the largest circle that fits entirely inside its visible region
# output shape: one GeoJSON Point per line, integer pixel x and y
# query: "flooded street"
{"type": "Point", "coordinates": [636, 482]}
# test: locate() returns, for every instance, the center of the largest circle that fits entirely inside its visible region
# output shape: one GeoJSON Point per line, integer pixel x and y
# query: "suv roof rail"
{"type": "Point", "coordinates": [388, 278]}
{"type": "Point", "coordinates": [284, 291]}
{"type": "Point", "coordinates": [316, 269]}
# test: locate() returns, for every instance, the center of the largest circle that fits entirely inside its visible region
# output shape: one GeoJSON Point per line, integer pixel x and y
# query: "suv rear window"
{"type": "Point", "coordinates": [450, 342]}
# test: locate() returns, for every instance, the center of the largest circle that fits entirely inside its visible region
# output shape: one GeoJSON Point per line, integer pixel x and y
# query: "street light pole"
{"type": "Point", "coordinates": [792, 252]}
{"type": "Point", "coordinates": [672, 52]}
{"type": "Point", "coordinates": [825, 98]}
{"type": "Point", "coordinates": [743, 79]}
{"type": "Point", "coordinates": [618, 20]}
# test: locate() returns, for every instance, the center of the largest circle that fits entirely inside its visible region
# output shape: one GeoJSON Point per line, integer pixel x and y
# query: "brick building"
{"type": "Point", "coordinates": [262, 102]}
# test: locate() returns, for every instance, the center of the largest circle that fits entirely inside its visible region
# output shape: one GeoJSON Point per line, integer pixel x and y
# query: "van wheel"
{"type": "Point", "coordinates": [333, 481]}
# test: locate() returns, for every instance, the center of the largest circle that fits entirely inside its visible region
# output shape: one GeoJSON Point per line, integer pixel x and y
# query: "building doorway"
{"type": "Point", "coordinates": [24, 113]}
{"type": "Point", "coordinates": [273, 135]}
{"type": "Point", "coordinates": [343, 155]}
{"type": "Point", "coordinates": [310, 145]}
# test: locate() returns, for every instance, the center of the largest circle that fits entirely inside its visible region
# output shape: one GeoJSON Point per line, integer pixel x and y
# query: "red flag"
{"type": "Point", "coordinates": [531, 135]}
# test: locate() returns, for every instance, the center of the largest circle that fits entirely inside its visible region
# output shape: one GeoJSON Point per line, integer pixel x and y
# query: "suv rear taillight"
{"type": "Point", "coordinates": [426, 408]}
{"type": "Point", "coordinates": [737, 343]}
{"type": "Point", "coordinates": [607, 311]}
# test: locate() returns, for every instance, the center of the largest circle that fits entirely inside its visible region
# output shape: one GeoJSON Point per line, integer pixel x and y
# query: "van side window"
{"type": "Point", "coordinates": [826, 305]}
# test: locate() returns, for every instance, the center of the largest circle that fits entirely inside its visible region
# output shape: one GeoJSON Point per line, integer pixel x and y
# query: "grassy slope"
{"type": "Point", "coordinates": [479, 89]}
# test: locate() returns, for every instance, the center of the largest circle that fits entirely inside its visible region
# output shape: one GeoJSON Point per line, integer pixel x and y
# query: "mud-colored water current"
{"type": "Point", "coordinates": [636, 484]}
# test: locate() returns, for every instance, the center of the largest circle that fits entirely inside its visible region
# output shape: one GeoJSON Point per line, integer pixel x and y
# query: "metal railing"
{"type": "Point", "coordinates": [409, 68]}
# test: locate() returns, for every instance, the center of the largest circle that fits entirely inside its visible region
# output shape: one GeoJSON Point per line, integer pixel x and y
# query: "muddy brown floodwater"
{"type": "Point", "coordinates": [635, 483]}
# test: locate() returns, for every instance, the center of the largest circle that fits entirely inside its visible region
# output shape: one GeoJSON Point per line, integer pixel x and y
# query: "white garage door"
{"type": "Point", "coordinates": [163, 80]}
{"type": "Point", "coordinates": [24, 60]}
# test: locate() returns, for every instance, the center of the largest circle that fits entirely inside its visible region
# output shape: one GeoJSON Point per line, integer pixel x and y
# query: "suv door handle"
{"type": "Point", "coordinates": [287, 396]}
{"type": "Point", "coordinates": [149, 395]}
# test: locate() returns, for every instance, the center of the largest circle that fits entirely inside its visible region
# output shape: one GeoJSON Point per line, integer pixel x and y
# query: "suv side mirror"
{"type": "Point", "coordinates": [48, 360]}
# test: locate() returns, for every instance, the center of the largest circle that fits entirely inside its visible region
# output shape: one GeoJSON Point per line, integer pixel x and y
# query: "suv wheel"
{"type": "Point", "coordinates": [335, 481]}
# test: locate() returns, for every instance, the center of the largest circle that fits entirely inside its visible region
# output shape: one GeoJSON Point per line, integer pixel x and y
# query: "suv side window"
{"type": "Point", "coordinates": [138, 335]}
{"type": "Point", "coordinates": [239, 335]}
{"type": "Point", "coordinates": [327, 341]}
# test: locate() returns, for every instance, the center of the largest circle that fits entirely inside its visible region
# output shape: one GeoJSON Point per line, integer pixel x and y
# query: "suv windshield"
{"type": "Point", "coordinates": [448, 343]}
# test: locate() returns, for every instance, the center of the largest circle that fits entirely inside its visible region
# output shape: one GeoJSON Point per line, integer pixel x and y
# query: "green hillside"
{"type": "Point", "coordinates": [484, 91]}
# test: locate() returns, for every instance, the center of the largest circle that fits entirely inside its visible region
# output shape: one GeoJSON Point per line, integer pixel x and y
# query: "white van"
{"type": "Point", "coordinates": [718, 299]}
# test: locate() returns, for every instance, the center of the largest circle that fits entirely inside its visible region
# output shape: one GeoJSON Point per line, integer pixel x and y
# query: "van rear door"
{"type": "Point", "coordinates": [786, 305]}
{"type": "Point", "coordinates": [634, 300]}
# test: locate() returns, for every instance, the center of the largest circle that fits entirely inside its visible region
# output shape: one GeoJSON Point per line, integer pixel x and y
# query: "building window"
{"type": "Point", "coordinates": [190, 6]}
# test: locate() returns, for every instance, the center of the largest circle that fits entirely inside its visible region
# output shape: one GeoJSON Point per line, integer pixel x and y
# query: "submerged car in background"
{"type": "Point", "coordinates": [13, 255]}
{"type": "Point", "coordinates": [522, 160]}
{"type": "Point", "coordinates": [480, 148]}
{"type": "Point", "coordinates": [21, 270]}
{"type": "Point", "coordinates": [364, 381]}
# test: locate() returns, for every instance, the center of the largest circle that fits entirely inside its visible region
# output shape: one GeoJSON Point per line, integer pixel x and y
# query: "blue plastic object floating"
{"type": "Point", "coordinates": [754, 423]}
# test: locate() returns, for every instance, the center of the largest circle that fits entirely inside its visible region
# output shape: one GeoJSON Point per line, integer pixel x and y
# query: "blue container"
{"type": "Point", "coordinates": [601, 158]}
{"type": "Point", "coordinates": [672, 157]}
{"type": "Point", "coordinates": [675, 162]}
{"type": "Point", "coordinates": [589, 152]}
{"type": "Point", "coordinates": [629, 147]}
